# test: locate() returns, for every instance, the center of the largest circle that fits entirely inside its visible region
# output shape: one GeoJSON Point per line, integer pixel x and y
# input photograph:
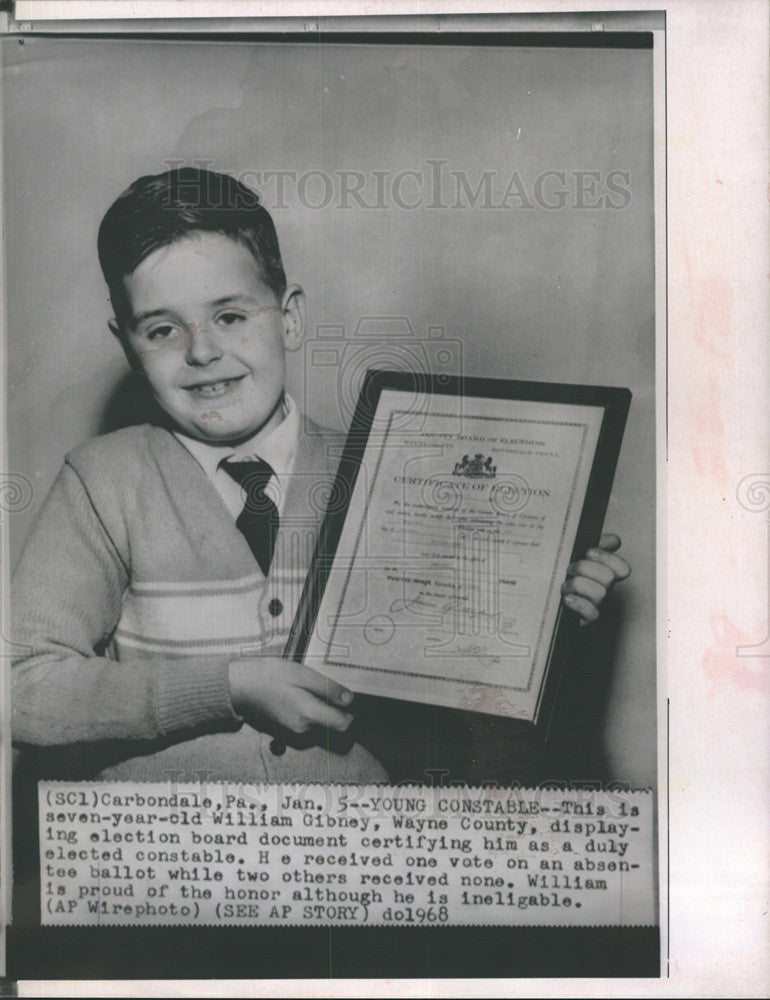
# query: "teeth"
{"type": "Point", "coordinates": [213, 389]}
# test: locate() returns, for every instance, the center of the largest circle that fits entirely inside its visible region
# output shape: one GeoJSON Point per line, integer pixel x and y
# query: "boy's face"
{"type": "Point", "coordinates": [211, 336]}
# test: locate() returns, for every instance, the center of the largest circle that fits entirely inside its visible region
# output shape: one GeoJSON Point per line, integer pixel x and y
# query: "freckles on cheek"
{"type": "Point", "coordinates": [152, 355]}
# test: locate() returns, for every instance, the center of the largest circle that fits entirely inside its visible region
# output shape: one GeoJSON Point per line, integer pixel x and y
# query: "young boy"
{"type": "Point", "coordinates": [157, 588]}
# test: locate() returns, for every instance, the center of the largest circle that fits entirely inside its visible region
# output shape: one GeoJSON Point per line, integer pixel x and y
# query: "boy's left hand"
{"type": "Point", "coordinates": [589, 580]}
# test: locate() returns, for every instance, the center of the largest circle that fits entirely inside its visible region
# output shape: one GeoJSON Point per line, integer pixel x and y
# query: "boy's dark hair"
{"type": "Point", "coordinates": [160, 209]}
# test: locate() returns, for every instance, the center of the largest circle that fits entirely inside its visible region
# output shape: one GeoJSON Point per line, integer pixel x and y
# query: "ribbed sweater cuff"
{"type": "Point", "coordinates": [195, 694]}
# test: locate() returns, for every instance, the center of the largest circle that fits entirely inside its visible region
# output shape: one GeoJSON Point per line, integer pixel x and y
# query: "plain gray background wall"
{"type": "Point", "coordinates": [552, 294]}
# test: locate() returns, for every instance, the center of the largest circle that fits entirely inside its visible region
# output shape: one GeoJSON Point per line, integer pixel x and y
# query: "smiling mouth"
{"type": "Point", "coordinates": [213, 387]}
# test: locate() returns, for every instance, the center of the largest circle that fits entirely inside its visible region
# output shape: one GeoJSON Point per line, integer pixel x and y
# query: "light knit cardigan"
{"type": "Point", "coordinates": [132, 595]}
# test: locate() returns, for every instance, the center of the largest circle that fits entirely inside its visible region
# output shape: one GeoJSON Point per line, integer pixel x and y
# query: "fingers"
{"type": "Point", "coordinates": [589, 579]}
{"type": "Point", "coordinates": [311, 711]}
{"type": "Point", "coordinates": [300, 710]}
{"type": "Point", "coordinates": [328, 690]}
{"type": "Point", "coordinates": [583, 596]}
{"type": "Point", "coordinates": [582, 606]}
{"type": "Point", "coordinates": [591, 569]}
{"type": "Point", "coordinates": [601, 566]}
{"type": "Point", "coordinates": [273, 690]}
{"type": "Point", "coordinates": [620, 568]}
{"type": "Point", "coordinates": [611, 543]}
{"type": "Point", "coordinates": [311, 699]}
{"type": "Point", "coordinates": [603, 552]}
{"type": "Point", "coordinates": [581, 586]}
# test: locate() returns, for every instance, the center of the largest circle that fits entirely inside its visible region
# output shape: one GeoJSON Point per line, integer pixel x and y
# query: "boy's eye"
{"type": "Point", "coordinates": [160, 332]}
{"type": "Point", "coordinates": [229, 318]}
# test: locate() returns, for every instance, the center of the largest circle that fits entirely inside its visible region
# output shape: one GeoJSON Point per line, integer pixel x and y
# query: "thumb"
{"type": "Point", "coordinates": [610, 543]}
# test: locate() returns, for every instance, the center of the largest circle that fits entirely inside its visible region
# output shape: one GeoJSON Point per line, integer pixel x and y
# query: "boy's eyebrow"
{"type": "Point", "coordinates": [236, 297]}
{"type": "Point", "coordinates": [149, 314]}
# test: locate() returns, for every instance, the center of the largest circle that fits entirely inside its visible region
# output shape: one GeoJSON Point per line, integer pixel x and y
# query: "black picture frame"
{"type": "Point", "coordinates": [614, 402]}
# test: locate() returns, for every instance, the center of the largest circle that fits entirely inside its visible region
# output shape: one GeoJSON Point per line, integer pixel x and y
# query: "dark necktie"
{"type": "Point", "coordinates": [258, 521]}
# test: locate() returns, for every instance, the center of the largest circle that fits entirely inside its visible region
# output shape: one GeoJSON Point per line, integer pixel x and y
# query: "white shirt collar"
{"type": "Point", "coordinates": [278, 449]}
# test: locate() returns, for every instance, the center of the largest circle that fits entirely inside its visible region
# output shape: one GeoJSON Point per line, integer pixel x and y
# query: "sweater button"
{"type": "Point", "coordinates": [275, 607]}
{"type": "Point", "coordinates": [277, 747]}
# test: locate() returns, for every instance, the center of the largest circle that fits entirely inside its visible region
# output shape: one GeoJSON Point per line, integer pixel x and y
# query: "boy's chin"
{"type": "Point", "coordinates": [221, 435]}
{"type": "Point", "coordinates": [220, 431]}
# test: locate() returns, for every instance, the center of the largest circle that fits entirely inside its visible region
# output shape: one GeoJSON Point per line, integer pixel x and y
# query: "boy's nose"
{"type": "Point", "coordinates": [202, 347]}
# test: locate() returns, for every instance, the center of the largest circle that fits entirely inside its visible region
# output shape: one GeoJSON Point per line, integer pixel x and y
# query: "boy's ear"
{"type": "Point", "coordinates": [293, 309]}
{"type": "Point", "coordinates": [131, 357]}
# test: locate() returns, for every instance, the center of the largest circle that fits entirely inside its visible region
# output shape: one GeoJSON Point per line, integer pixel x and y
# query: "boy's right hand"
{"type": "Point", "coordinates": [269, 689]}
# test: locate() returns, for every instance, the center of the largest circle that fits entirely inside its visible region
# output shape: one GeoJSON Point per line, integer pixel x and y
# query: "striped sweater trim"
{"type": "Point", "coordinates": [205, 588]}
{"type": "Point", "coordinates": [191, 647]}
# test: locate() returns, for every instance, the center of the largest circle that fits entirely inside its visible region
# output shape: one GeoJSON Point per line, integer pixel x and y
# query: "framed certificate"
{"type": "Point", "coordinates": [458, 505]}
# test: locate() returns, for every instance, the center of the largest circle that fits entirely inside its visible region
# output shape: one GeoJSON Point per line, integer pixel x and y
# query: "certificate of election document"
{"type": "Point", "coordinates": [458, 506]}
